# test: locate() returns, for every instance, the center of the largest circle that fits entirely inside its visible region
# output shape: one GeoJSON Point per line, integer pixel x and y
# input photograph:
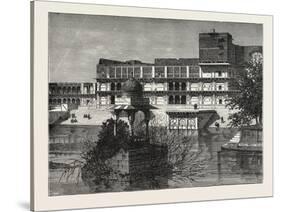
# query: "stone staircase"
{"type": "Point", "coordinates": [205, 120]}
{"type": "Point", "coordinates": [233, 143]}
{"type": "Point", "coordinates": [236, 138]}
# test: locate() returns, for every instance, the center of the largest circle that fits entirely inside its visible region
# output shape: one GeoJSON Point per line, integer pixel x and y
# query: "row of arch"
{"type": "Point", "coordinates": [176, 86]}
{"type": "Point", "coordinates": [182, 100]}
{"type": "Point", "coordinates": [65, 101]}
{"type": "Point", "coordinates": [173, 86]}
{"type": "Point", "coordinates": [181, 86]}
{"type": "Point", "coordinates": [115, 86]}
{"type": "Point", "coordinates": [65, 90]}
{"type": "Point", "coordinates": [177, 99]}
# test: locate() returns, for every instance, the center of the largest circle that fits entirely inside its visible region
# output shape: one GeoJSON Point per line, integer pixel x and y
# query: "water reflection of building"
{"type": "Point", "coordinates": [244, 165]}
{"type": "Point", "coordinates": [75, 93]}
{"type": "Point", "coordinates": [186, 84]}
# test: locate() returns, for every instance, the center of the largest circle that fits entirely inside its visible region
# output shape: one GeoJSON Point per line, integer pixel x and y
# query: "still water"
{"type": "Point", "coordinates": [234, 168]}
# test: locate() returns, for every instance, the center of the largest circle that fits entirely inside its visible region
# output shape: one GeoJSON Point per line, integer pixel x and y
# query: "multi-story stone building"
{"type": "Point", "coordinates": [183, 84]}
{"type": "Point", "coordinates": [75, 93]}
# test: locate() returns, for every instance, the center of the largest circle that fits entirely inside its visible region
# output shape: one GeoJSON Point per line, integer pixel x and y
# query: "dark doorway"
{"type": "Point", "coordinates": [171, 100]}
{"type": "Point", "coordinates": [112, 100]}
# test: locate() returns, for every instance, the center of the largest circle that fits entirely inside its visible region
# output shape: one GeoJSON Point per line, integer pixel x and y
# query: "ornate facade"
{"type": "Point", "coordinates": [71, 93]}
{"type": "Point", "coordinates": [202, 83]}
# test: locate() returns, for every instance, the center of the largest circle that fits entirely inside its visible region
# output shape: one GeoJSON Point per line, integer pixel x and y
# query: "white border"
{"type": "Point", "coordinates": [39, 123]}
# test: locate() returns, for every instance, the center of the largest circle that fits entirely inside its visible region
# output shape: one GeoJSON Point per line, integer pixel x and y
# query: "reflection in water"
{"type": "Point", "coordinates": [216, 167]}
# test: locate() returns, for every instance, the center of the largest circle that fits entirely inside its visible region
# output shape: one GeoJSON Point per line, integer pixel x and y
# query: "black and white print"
{"type": "Point", "coordinates": [144, 103]}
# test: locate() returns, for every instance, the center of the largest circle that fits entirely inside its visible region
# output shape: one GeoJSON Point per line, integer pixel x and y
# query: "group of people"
{"type": "Point", "coordinates": [88, 116]}
{"type": "Point", "coordinates": [73, 118]}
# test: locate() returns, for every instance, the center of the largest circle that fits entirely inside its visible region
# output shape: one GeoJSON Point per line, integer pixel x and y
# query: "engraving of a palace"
{"type": "Point", "coordinates": [144, 104]}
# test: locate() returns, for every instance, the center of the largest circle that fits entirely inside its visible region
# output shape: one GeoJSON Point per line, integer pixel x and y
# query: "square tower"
{"type": "Point", "coordinates": [216, 48]}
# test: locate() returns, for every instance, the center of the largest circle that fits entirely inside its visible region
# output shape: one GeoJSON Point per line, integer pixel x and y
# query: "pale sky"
{"type": "Point", "coordinates": [77, 42]}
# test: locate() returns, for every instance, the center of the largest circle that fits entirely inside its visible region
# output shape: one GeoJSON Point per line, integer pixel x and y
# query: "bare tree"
{"type": "Point", "coordinates": [183, 163]}
{"type": "Point", "coordinates": [185, 157]}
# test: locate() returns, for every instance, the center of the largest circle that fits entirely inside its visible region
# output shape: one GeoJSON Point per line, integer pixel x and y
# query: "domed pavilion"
{"type": "Point", "coordinates": [132, 88]}
{"type": "Point", "coordinates": [131, 102]}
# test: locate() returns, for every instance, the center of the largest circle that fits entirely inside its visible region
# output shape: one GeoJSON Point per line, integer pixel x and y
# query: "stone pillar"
{"type": "Point", "coordinates": [200, 72]}
{"type": "Point", "coordinates": [147, 118]}
{"type": "Point", "coordinates": [165, 71]}
{"type": "Point", "coordinates": [187, 71]}
{"type": "Point", "coordinates": [81, 88]}
{"type": "Point", "coordinates": [131, 119]}
{"type": "Point", "coordinates": [108, 100]}
{"type": "Point", "coordinates": [98, 101]}
{"type": "Point", "coordinates": [214, 86]}
{"type": "Point", "coordinates": [200, 99]}
{"type": "Point", "coordinates": [188, 99]}
{"type": "Point", "coordinates": [196, 123]}
{"type": "Point", "coordinates": [147, 128]}
{"type": "Point", "coordinates": [214, 99]}
{"type": "Point", "coordinates": [116, 117]}
{"type": "Point", "coordinates": [91, 89]}
{"type": "Point", "coordinates": [166, 86]}
{"type": "Point", "coordinates": [141, 72]}
{"type": "Point", "coordinates": [153, 71]}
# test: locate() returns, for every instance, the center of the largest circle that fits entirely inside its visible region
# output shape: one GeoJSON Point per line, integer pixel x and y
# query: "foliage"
{"type": "Point", "coordinates": [180, 161]}
{"type": "Point", "coordinates": [184, 157]}
{"type": "Point", "coordinates": [248, 101]}
{"type": "Point", "coordinates": [95, 154]}
{"type": "Point", "coordinates": [107, 143]}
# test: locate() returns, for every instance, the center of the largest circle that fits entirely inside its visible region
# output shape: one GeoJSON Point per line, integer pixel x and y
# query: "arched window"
{"type": "Point", "coordinates": [69, 90]}
{"type": "Point", "coordinates": [64, 90]}
{"type": "Point", "coordinates": [112, 100]}
{"type": "Point", "coordinates": [112, 86]}
{"type": "Point", "coordinates": [171, 100]}
{"type": "Point", "coordinates": [220, 87]}
{"type": "Point", "coordinates": [183, 86]}
{"type": "Point", "coordinates": [177, 100]}
{"type": "Point", "coordinates": [119, 86]}
{"type": "Point", "coordinates": [183, 100]}
{"type": "Point", "coordinates": [59, 101]}
{"type": "Point", "coordinates": [177, 86]}
{"type": "Point", "coordinates": [78, 89]}
{"type": "Point", "coordinates": [73, 90]}
{"type": "Point", "coordinates": [78, 101]}
{"type": "Point", "coordinates": [171, 86]}
{"type": "Point", "coordinates": [64, 101]}
{"type": "Point", "coordinates": [220, 101]}
{"type": "Point", "coordinates": [73, 101]}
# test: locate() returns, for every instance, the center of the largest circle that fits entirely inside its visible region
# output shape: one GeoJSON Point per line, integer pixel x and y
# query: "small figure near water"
{"type": "Point", "coordinates": [217, 126]}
